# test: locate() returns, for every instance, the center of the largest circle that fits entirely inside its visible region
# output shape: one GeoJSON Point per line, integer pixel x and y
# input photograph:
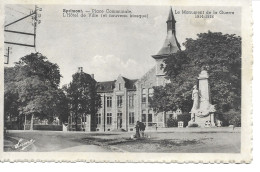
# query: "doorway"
{"type": "Point", "coordinates": [119, 120]}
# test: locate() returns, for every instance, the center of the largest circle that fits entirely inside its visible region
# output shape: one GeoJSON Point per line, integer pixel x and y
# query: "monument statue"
{"type": "Point", "coordinates": [195, 98]}
{"type": "Point", "coordinates": [202, 112]}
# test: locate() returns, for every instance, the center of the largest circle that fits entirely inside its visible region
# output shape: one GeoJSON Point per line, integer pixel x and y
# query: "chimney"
{"type": "Point", "coordinates": [92, 76]}
{"type": "Point", "coordinates": [80, 69]}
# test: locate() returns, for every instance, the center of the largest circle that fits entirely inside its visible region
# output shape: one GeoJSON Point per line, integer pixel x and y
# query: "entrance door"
{"type": "Point", "coordinates": [119, 120]}
{"type": "Point", "coordinates": [144, 118]}
{"type": "Point", "coordinates": [150, 119]}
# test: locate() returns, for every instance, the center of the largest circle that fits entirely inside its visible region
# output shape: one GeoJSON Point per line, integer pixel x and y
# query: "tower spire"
{"type": "Point", "coordinates": [171, 44]}
{"type": "Point", "coordinates": [171, 22]}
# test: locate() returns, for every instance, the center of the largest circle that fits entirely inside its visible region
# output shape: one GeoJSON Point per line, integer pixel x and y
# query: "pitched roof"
{"type": "Point", "coordinates": [106, 86]}
{"type": "Point", "coordinates": [130, 83]}
{"type": "Point", "coordinates": [171, 44]}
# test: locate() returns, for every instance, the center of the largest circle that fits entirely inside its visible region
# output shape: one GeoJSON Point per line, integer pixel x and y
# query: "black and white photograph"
{"type": "Point", "coordinates": [124, 79]}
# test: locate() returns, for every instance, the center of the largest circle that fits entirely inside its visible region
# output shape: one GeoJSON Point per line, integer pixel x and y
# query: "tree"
{"type": "Point", "coordinates": [11, 104]}
{"type": "Point", "coordinates": [220, 55]}
{"type": "Point", "coordinates": [82, 96]}
{"type": "Point", "coordinates": [34, 81]}
{"type": "Point", "coordinates": [36, 64]}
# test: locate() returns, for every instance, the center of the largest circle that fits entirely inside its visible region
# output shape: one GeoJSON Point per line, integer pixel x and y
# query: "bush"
{"type": "Point", "coordinates": [193, 125]}
{"type": "Point", "coordinates": [11, 125]}
{"type": "Point", "coordinates": [48, 127]}
{"type": "Point", "coordinates": [185, 117]}
{"type": "Point", "coordinates": [171, 122]}
{"type": "Point", "coordinates": [27, 127]}
{"type": "Point", "coordinates": [230, 118]}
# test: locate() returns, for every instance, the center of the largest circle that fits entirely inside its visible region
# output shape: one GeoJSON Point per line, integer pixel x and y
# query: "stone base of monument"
{"type": "Point", "coordinates": [202, 122]}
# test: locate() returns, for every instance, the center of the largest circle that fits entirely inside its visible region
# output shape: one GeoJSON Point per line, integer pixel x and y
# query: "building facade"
{"type": "Point", "coordinates": [126, 101]}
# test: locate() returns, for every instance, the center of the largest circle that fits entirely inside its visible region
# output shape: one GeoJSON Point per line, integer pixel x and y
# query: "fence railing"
{"type": "Point", "coordinates": [153, 124]}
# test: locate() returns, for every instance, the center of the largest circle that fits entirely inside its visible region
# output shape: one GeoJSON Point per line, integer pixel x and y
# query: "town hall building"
{"type": "Point", "coordinates": [126, 101]}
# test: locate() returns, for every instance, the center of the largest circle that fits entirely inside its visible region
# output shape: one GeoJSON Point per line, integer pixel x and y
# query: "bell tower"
{"type": "Point", "coordinates": [170, 46]}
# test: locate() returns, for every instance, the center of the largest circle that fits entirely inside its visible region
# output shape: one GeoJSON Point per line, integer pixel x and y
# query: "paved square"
{"type": "Point", "coordinates": [219, 140]}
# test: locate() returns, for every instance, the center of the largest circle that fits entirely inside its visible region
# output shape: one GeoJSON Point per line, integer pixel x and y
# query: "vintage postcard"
{"type": "Point", "coordinates": [126, 81]}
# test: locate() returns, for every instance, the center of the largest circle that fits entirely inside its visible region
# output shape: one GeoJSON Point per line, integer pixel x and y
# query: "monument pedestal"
{"type": "Point", "coordinates": [207, 121]}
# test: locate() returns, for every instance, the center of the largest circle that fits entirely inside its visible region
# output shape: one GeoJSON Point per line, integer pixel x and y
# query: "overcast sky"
{"type": "Point", "coordinates": [107, 47]}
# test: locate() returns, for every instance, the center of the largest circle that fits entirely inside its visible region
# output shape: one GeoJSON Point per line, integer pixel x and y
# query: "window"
{"type": "Point", "coordinates": [109, 118]}
{"type": "Point", "coordinates": [119, 86]}
{"type": "Point", "coordinates": [144, 95]}
{"type": "Point", "coordinates": [161, 66]}
{"type": "Point", "coordinates": [131, 101]}
{"type": "Point", "coordinates": [119, 101]}
{"type": "Point", "coordinates": [150, 119]}
{"type": "Point", "coordinates": [180, 124]}
{"type": "Point", "coordinates": [150, 94]}
{"type": "Point", "coordinates": [84, 118]}
{"type": "Point", "coordinates": [109, 101]}
{"type": "Point", "coordinates": [131, 118]}
{"type": "Point", "coordinates": [98, 116]}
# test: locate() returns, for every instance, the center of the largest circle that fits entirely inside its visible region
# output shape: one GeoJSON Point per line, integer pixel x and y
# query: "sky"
{"type": "Point", "coordinates": [107, 47]}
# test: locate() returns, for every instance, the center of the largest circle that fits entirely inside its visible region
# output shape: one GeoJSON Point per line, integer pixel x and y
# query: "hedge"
{"type": "Point", "coordinates": [45, 127]}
